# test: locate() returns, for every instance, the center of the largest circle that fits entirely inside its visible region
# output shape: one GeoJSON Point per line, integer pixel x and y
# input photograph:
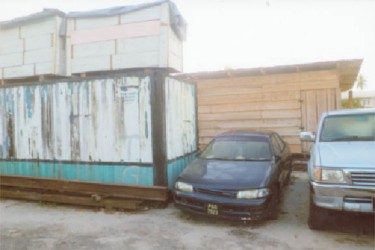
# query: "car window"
{"type": "Point", "coordinates": [355, 127]}
{"type": "Point", "coordinates": [237, 149]}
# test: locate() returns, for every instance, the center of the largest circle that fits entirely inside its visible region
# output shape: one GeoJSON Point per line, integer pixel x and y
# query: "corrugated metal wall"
{"type": "Point", "coordinates": [180, 118]}
{"type": "Point", "coordinates": [105, 120]}
{"type": "Point", "coordinates": [180, 126]}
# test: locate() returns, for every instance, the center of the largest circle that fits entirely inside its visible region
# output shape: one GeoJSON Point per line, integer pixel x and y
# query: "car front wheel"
{"type": "Point", "coordinates": [274, 204]}
{"type": "Point", "coordinates": [317, 216]}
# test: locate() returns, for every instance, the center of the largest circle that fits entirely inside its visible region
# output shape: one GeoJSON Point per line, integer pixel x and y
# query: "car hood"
{"type": "Point", "coordinates": [223, 174]}
{"type": "Point", "coordinates": [347, 154]}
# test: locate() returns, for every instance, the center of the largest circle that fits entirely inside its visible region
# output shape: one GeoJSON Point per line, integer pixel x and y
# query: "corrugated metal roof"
{"type": "Point", "coordinates": [347, 71]}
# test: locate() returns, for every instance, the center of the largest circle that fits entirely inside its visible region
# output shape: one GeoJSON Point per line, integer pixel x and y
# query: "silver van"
{"type": "Point", "coordinates": [341, 168]}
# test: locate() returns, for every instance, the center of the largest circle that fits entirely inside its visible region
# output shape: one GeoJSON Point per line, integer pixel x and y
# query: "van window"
{"type": "Point", "coordinates": [356, 127]}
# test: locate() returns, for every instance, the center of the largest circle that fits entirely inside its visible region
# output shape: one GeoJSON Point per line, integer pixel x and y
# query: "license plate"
{"type": "Point", "coordinates": [212, 209]}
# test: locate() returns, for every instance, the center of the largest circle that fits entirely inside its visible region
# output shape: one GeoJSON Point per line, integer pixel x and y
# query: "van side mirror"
{"type": "Point", "coordinates": [307, 136]}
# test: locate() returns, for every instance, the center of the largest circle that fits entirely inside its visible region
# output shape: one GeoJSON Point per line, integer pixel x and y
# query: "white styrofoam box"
{"type": "Point", "coordinates": [60, 67]}
{"type": "Point", "coordinates": [9, 60]}
{"type": "Point", "coordinates": [32, 48]}
{"type": "Point", "coordinates": [42, 27]}
{"type": "Point", "coordinates": [38, 56]}
{"type": "Point", "coordinates": [9, 34]}
{"type": "Point", "coordinates": [94, 63]}
{"type": "Point", "coordinates": [153, 13]}
{"type": "Point", "coordinates": [136, 60]}
{"type": "Point", "coordinates": [90, 23]}
{"type": "Point", "coordinates": [44, 68]}
{"type": "Point", "coordinates": [94, 49]}
{"type": "Point", "coordinates": [175, 57]}
{"type": "Point", "coordinates": [175, 62]}
{"type": "Point", "coordinates": [19, 71]}
{"type": "Point", "coordinates": [11, 46]}
{"type": "Point", "coordinates": [175, 45]}
{"type": "Point", "coordinates": [138, 44]}
{"type": "Point", "coordinates": [39, 42]}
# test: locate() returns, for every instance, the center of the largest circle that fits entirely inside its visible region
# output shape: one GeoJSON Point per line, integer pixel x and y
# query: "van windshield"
{"type": "Point", "coordinates": [354, 127]}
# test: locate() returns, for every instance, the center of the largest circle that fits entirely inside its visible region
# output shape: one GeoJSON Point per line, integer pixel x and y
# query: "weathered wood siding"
{"type": "Point", "coordinates": [139, 39]}
{"type": "Point", "coordinates": [32, 49]}
{"type": "Point", "coordinates": [105, 120]}
{"type": "Point", "coordinates": [284, 103]}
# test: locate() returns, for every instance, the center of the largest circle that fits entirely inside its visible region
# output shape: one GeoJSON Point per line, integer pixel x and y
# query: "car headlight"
{"type": "Point", "coordinates": [328, 175]}
{"type": "Point", "coordinates": [253, 194]}
{"type": "Point", "coordinates": [184, 187]}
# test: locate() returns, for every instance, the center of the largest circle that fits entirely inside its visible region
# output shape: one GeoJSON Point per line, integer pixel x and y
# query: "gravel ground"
{"type": "Point", "coordinates": [26, 225]}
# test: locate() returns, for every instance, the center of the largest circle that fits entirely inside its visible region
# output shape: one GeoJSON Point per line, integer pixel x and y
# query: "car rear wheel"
{"type": "Point", "coordinates": [317, 216]}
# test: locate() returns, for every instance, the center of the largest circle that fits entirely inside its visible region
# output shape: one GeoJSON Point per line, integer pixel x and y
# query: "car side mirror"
{"type": "Point", "coordinates": [307, 136]}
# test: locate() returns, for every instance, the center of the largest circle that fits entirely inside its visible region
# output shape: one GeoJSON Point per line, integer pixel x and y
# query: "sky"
{"type": "Point", "coordinates": [234, 34]}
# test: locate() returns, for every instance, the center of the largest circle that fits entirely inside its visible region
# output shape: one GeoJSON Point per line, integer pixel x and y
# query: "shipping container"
{"type": "Point", "coordinates": [135, 128]}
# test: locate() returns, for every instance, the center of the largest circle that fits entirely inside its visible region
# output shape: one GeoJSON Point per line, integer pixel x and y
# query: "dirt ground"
{"type": "Point", "coordinates": [25, 225]}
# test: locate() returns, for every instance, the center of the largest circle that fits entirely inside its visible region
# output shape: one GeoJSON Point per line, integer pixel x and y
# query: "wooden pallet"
{"type": "Point", "coordinates": [109, 196]}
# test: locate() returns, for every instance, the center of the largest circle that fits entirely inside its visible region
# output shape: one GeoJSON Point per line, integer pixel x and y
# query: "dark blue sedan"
{"type": "Point", "coordinates": [239, 176]}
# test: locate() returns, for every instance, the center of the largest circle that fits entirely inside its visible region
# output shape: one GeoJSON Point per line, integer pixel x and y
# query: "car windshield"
{"type": "Point", "coordinates": [356, 127]}
{"type": "Point", "coordinates": [254, 148]}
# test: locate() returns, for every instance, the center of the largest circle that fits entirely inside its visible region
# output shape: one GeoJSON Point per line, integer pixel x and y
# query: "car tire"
{"type": "Point", "coordinates": [274, 204]}
{"type": "Point", "coordinates": [317, 216]}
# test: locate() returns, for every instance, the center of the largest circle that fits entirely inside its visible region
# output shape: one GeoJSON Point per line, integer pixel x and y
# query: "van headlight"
{"type": "Point", "coordinates": [253, 194]}
{"type": "Point", "coordinates": [328, 175]}
{"type": "Point", "coordinates": [184, 187]}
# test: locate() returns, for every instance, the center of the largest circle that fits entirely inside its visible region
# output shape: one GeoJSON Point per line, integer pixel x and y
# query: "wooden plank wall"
{"type": "Point", "coordinates": [268, 102]}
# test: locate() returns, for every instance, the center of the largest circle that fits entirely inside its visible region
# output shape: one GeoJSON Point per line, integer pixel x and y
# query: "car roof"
{"type": "Point", "coordinates": [351, 111]}
{"type": "Point", "coordinates": [235, 133]}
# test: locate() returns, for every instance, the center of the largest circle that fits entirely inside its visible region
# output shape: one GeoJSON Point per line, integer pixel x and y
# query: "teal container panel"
{"type": "Point", "coordinates": [118, 174]}
{"type": "Point", "coordinates": [175, 167]}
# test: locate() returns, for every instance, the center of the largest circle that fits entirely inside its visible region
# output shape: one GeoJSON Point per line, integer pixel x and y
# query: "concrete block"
{"type": "Point", "coordinates": [87, 64]}
{"type": "Point", "coordinates": [10, 46]}
{"type": "Point", "coordinates": [9, 34]}
{"type": "Point", "coordinates": [136, 60]}
{"type": "Point", "coordinates": [10, 60]}
{"type": "Point", "coordinates": [18, 71]}
{"type": "Point", "coordinates": [38, 56]}
{"type": "Point", "coordinates": [153, 13]}
{"type": "Point", "coordinates": [39, 42]}
{"type": "Point", "coordinates": [139, 44]}
{"type": "Point", "coordinates": [91, 23]}
{"type": "Point", "coordinates": [42, 27]}
{"type": "Point", "coordinates": [44, 68]}
{"type": "Point", "coordinates": [94, 49]}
